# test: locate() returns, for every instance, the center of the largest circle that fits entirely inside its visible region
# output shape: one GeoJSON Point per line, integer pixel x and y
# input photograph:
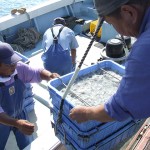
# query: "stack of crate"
{"type": "Point", "coordinates": [90, 135]}
{"type": "Point", "coordinates": [29, 95]}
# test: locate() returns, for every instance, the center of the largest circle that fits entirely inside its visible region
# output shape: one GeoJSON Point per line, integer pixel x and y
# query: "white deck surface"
{"type": "Point", "coordinates": [46, 138]}
{"type": "Point", "coordinates": [40, 116]}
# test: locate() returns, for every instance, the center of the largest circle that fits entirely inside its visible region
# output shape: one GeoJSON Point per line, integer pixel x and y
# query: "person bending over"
{"type": "Point", "coordinates": [132, 99]}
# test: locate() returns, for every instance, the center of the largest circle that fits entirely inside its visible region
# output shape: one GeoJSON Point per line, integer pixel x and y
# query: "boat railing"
{"type": "Point", "coordinates": [12, 20]}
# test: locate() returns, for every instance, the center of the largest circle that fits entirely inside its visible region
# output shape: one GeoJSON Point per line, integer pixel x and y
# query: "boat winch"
{"type": "Point", "coordinates": [116, 49]}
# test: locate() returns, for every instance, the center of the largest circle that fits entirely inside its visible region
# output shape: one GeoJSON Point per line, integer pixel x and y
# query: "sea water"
{"type": "Point", "coordinates": [94, 88]}
{"type": "Point", "coordinates": [7, 5]}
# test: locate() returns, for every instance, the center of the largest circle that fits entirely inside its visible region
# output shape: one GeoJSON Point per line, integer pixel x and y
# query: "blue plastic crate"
{"type": "Point", "coordinates": [105, 144]}
{"type": "Point", "coordinates": [29, 102]}
{"type": "Point", "coordinates": [24, 58]}
{"type": "Point", "coordinates": [91, 137]}
{"type": "Point", "coordinates": [56, 95]}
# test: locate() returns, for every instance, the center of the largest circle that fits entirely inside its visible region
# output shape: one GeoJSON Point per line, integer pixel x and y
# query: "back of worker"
{"type": "Point", "coordinates": [68, 43]}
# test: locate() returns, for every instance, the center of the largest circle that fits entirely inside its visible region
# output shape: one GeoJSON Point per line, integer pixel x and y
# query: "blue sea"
{"type": "Point", "coordinates": [7, 5]}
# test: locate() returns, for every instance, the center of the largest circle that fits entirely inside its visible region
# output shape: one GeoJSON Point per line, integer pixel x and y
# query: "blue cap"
{"type": "Point", "coordinates": [105, 7]}
{"type": "Point", "coordinates": [59, 20]}
{"type": "Point", "coordinates": [7, 54]}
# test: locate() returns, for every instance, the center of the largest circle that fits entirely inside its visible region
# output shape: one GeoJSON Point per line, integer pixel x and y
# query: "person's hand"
{"type": "Point", "coordinates": [84, 113]}
{"type": "Point", "coordinates": [47, 75]}
{"type": "Point", "coordinates": [53, 75]}
{"type": "Point", "coordinates": [25, 127]}
{"type": "Point", "coordinates": [79, 114]}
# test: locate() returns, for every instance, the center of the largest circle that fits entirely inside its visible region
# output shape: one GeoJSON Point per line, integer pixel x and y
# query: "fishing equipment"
{"type": "Point", "coordinates": [93, 25]}
{"type": "Point", "coordinates": [90, 134]}
{"type": "Point", "coordinates": [125, 46]}
{"type": "Point", "coordinates": [116, 49]}
{"type": "Point", "coordinates": [59, 121]}
{"type": "Point", "coordinates": [127, 40]}
{"type": "Point", "coordinates": [73, 94]}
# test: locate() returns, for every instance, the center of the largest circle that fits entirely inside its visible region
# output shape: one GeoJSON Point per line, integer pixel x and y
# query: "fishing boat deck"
{"type": "Point", "coordinates": [44, 134]}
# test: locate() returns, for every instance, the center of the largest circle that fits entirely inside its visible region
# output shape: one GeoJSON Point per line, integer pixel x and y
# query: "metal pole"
{"type": "Point", "coordinates": [125, 46]}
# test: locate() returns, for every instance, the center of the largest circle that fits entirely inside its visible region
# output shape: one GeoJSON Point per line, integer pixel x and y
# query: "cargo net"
{"type": "Point", "coordinates": [93, 89]}
{"type": "Point", "coordinates": [26, 39]}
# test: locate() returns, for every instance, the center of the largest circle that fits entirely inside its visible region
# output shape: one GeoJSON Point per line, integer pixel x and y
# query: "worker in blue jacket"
{"type": "Point", "coordinates": [132, 99]}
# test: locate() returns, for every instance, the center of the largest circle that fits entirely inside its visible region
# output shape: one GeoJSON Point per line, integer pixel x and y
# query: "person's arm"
{"type": "Point", "coordinates": [73, 46]}
{"type": "Point", "coordinates": [23, 125]}
{"type": "Point", "coordinates": [83, 114]}
{"type": "Point", "coordinates": [47, 75]}
{"type": "Point", "coordinates": [29, 74]}
{"type": "Point", "coordinates": [73, 55]}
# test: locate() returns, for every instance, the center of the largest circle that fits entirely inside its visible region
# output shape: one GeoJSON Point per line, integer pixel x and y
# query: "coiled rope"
{"type": "Point", "coordinates": [26, 38]}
